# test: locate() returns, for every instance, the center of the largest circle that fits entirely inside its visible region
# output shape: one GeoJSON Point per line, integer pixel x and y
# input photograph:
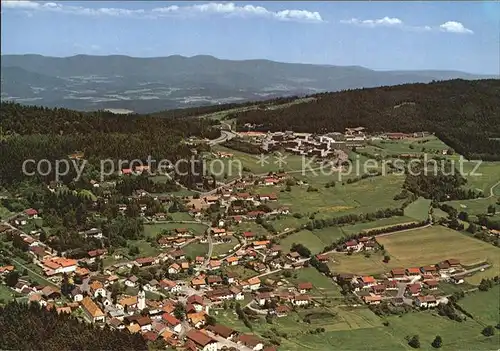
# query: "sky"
{"type": "Point", "coordinates": [406, 35]}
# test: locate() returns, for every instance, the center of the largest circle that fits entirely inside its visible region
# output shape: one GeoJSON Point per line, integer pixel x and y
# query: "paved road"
{"type": "Point", "coordinates": [224, 136]}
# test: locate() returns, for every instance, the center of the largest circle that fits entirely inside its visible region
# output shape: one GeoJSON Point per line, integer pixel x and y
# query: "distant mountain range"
{"type": "Point", "coordinates": [145, 85]}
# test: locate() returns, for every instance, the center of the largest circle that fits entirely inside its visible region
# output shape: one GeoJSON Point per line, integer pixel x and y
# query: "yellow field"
{"type": "Point", "coordinates": [359, 264]}
{"type": "Point", "coordinates": [437, 243]}
{"type": "Point", "coordinates": [419, 248]}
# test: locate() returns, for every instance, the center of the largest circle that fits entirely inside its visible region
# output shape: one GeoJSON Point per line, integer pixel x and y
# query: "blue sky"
{"type": "Point", "coordinates": [379, 35]}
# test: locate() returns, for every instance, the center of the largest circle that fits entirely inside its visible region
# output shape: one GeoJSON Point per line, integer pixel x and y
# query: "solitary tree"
{"type": "Point", "coordinates": [488, 331]}
{"type": "Point", "coordinates": [414, 342]}
{"type": "Point", "coordinates": [492, 210]}
{"type": "Point", "coordinates": [438, 342]}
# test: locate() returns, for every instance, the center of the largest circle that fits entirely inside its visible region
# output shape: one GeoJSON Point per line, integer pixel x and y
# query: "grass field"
{"type": "Point", "coordinates": [367, 195]}
{"type": "Point", "coordinates": [250, 227]}
{"type": "Point", "coordinates": [418, 209]}
{"type": "Point", "coordinates": [432, 145]}
{"type": "Point", "coordinates": [242, 272]}
{"type": "Point", "coordinates": [456, 336]}
{"type": "Point", "coordinates": [6, 294]}
{"type": "Point", "coordinates": [234, 166]}
{"type": "Point", "coordinates": [437, 243]}
{"type": "Point", "coordinates": [221, 249]}
{"type": "Point", "coordinates": [359, 264]}
{"type": "Point", "coordinates": [195, 249]}
{"type": "Point", "coordinates": [4, 213]}
{"type": "Point", "coordinates": [487, 175]}
{"type": "Point", "coordinates": [145, 248]}
{"type": "Point", "coordinates": [323, 286]}
{"type": "Point", "coordinates": [330, 234]}
{"type": "Point", "coordinates": [475, 206]}
{"type": "Point", "coordinates": [152, 230]}
{"type": "Point", "coordinates": [359, 329]}
{"type": "Point", "coordinates": [305, 237]}
{"type": "Point", "coordinates": [287, 222]}
{"type": "Point", "coordinates": [181, 216]}
{"type": "Point", "coordinates": [483, 305]}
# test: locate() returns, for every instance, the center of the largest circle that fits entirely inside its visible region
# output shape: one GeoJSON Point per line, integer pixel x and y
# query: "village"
{"type": "Point", "coordinates": [181, 302]}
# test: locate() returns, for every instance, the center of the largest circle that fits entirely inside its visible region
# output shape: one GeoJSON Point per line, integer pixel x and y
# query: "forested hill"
{"type": "Point", "coordinates": [30, 132]}
{"type": "Point", "coordinates": [465, 114]}
{"type": "Point", "coordinates": [24, 327]}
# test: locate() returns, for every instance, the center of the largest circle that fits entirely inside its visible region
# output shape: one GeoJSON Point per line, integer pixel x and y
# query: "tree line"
{"type": "Point", "coordinates": [31, 327]}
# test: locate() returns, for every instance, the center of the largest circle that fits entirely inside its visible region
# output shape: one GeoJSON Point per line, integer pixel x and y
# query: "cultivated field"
{"type": "Point", "coordinates": [431, 245]}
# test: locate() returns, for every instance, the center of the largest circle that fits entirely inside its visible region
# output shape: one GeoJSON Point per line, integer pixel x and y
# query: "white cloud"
{"type": "Point", "coordinates": [187, 11]}
{"type": "Point", "coordinates": [455, 27]}
{"type": "Point", "coordinates": [449, 27]}
{"type": "Point", "coordinates": [20, 4]}
{"type": "Point", "coordinates": [386, 21]}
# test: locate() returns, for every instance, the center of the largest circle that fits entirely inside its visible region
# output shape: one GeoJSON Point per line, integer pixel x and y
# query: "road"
{"type": "Point", "coordinates": [484, 266]}
{"type": "Point", "coordinates": [403, 230]}
{"type": "Point", "coordinates": [492, 193]}
{"type": "Point", "coordinates": [224, 136]}
{"type": "Point", "coordinates": [492, 190]}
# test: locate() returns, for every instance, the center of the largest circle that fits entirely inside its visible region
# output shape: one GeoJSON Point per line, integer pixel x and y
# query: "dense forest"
{"type": "Point", "coordinates": [29, 132]}
{"type": "Point", "coordinates": [464, 114]}
{"type": "Point", "coordinates": [24, 327]}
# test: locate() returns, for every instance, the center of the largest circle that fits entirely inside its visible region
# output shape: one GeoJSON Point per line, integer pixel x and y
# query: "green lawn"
{"type": "Point", "coordinates": [418, 209]}
{"type": "Point", "coordinates": [483, 305]}
{"type": "Point", "coordinates": [152, 230]}
{"type": "Point", "coordinates": [304, 237]}
{"type": "Point", "coordinates": [195, 249]}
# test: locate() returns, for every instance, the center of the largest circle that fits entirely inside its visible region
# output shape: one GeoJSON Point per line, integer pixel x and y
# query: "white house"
{"type": "Point", "coordinates": [131, 281]}
{"type": "Point", "coordinates": [77, 294]}
{"type": "Point", "coordinates": [428, 301]}
{"type": "Point", "coordinates": [301, 300]}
